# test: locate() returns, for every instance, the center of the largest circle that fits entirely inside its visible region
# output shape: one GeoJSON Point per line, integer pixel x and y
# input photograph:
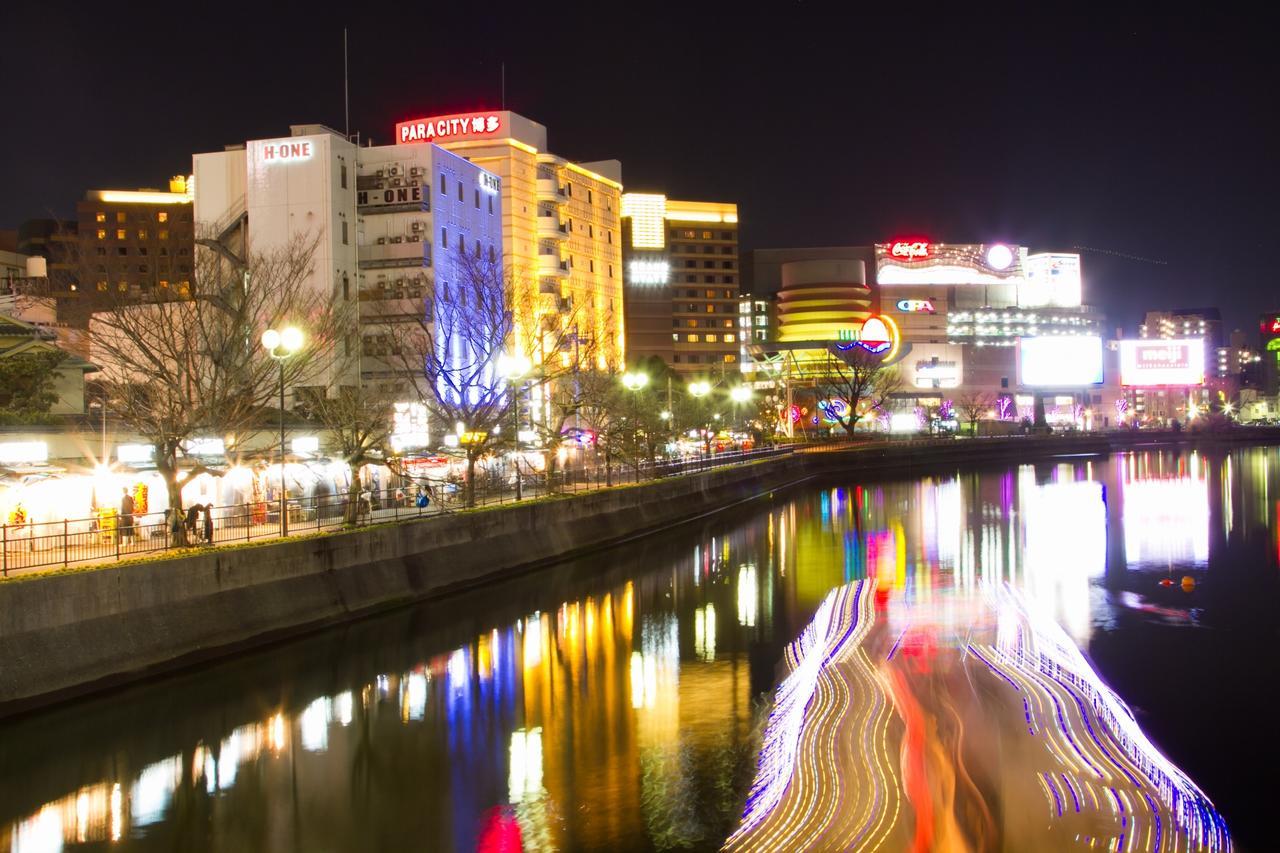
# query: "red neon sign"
{"type": "Point", "coordinates": [911, 250]}
{"type": "Point", "coordinates": [441, 128]}
{"type": "Point", "coordinates": [1275, 325]}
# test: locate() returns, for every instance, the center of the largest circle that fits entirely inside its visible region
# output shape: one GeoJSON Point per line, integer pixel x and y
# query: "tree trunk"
{"type": "Point", "coordinates": [351, 513]}
{"type": "Point", "coordinates": [469, 488]}
{"type": "Point", "coordinates": [167, 468]}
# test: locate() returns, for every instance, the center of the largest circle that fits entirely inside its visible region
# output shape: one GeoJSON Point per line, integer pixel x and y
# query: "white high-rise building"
{"type": "Point", "coordinates": [388, 222]}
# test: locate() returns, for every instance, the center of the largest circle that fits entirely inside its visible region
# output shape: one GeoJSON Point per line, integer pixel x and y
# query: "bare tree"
{"type": "Point", "coordinates": [861, 379]}
{"type": "Point", "coordinates": [359, 421]}
{"type": "Point", "coordinates": [450, 350]}
{"type": "Point", "coordinates": [188, 362]}
{"type": "Point", "coordinates": [973, 406]}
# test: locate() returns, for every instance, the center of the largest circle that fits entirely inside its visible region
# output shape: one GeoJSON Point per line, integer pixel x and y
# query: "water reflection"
{"type": "Point", "coordinates": [612, 702]}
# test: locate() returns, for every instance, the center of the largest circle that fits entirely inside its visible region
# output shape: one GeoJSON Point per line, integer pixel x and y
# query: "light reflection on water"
{"type": "Point", "coordinates": [621, 707]}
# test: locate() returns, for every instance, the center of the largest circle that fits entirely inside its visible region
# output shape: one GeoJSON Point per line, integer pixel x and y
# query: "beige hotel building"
{"type": "Point", "coordinates": [561, 231]}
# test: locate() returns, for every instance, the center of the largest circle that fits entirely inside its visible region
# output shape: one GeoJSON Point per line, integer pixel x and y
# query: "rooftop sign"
{"type": "Point", "coordinates": [449, 128]}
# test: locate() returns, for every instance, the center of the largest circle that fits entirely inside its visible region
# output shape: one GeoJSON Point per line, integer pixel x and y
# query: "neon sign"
{"type": "Point", "coordinates": [447, 127]}
{"type": "Point", "coordinates": [878, 336]}
{"type": "Point", "coordinates": [1275, 325]}
{"type": "Point", "coordinates": [286, 152]}
{"type": "Point", "coordinates": [916, 306]}
{"type": "Point", "coordinates": [911, 250]}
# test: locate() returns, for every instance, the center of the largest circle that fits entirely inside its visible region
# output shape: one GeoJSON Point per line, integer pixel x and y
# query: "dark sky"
{"type": "Point", "coordinates": [1139, 138]}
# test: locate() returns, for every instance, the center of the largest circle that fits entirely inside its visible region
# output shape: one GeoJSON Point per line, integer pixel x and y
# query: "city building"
{"type": "Point", "coordinates": [388, 223]}
{"type": "Point", "coordinates": [682, 282]}
{"type": "Point", "coordinates": [960, 312]}
{"type": "Point", "coordinates": [561, 230]}
{"type": "Point", "coordinates": [138, 243]}
{"type": "Point", "coordinates": [757, 324]}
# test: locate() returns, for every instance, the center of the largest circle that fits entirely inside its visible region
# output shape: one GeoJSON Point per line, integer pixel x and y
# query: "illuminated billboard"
{"type": "Point", "coordinates": [1161, 362]}
{"type": "Point", "coordinates": [1060, 361]}
{"type": "Point", "coordinates": [1053, 280]}
{"type": "Point", "coordinates": [914, 261]}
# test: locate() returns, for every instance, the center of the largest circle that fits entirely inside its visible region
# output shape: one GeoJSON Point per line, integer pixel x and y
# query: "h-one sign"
{"type": "Point", "coordinates": [286, 151]}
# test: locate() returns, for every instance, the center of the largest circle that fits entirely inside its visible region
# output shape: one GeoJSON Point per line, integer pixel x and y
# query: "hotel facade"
{"type": "Point", "coordinates": [561, 232]}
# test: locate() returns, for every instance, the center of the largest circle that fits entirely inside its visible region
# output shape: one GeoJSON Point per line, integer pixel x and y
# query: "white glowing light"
{"type": "Point", "coordinates": [999, 257]}
{"type": "Point", "coordinates": [649, 272]}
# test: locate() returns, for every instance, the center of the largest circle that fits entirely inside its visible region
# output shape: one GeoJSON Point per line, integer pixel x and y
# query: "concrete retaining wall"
{"type": "Point", "coordinates": [70, 633]}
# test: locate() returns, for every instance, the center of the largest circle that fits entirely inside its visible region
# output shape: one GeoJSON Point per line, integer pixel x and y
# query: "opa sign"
{"type": "Point", "coordinates": [916, 306]}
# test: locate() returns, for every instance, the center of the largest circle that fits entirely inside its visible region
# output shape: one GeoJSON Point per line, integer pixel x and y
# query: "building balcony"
{"type": "Point", "coordinates": [409, 252]}
{"type": "Point", "coordinates": [550, 189]}
{"type": "Point", "coordinates": [552, 266]}
{"type": "Point", "coordinates": [551, 228]}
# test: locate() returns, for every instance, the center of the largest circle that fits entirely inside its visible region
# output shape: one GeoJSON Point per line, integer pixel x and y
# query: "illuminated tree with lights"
{"type": "Point", "coordinates": [858, 377]}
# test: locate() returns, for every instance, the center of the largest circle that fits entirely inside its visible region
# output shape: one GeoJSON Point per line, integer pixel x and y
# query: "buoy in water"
{"type": "Point", "coordinates": [1188, 583]}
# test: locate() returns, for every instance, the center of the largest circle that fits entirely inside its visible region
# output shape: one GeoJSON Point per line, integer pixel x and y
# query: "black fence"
{"type": "Point", "coordinates": [109, 537]}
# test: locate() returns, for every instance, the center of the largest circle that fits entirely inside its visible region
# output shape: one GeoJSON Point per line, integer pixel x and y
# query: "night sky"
{"type": "Point", "coordinates": [1154, 145]}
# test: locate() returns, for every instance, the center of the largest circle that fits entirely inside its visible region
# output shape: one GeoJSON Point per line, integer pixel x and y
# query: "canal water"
{"type": "Point", "coordinates": [619, 701]}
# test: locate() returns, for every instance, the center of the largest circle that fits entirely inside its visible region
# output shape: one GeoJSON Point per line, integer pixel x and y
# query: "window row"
{"type": "Point", "coordinates": [122, 217]}
{"type": "Point", "coordinates": [708, 338]}
{"type": "Point", "coordinates": [694, 358]}
{"type": "Point", "coordinates": [143, 234]}
{"type": "Point", "coordinates": [690, 234]}
{"type": "Point", "coordinates": [182, 288]}
{"type": "Point", "coordinates": [703, 249]}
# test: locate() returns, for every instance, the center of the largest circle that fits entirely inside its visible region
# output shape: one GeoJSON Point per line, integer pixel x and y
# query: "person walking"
{"type": "Point", "coordinates": [208, 522]}
{"type": "Point", "coordinates": [193, 518]}
{"type": "Point", "coordinates": [126, 515]}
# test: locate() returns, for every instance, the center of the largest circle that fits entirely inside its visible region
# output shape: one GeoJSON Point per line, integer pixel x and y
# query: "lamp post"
{"type": "Point", "coordinates": [699, 390]}
{"type": "Point", "coordinates": [513, 368]}
{"type": "Point", "coordinates": [739, 395]}
{"type": "Point", "coordinates": [635, 381]}
{"type": "Point", "coordinates": [280, 345]}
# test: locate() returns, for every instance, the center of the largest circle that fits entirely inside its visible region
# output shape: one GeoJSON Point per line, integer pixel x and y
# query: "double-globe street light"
{"type": "Point", "coordinates": [514, 368]}
{"type": "Point", "coordinates": [281, 345]}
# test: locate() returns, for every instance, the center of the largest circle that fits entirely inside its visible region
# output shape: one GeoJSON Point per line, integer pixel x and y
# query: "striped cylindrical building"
{"type": "Point", "coordinates": [821, 298]}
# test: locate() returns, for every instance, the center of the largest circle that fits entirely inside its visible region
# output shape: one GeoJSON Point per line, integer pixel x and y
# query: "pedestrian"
{"type": "Point", "coordinates": [126, 515]}
{"type": "Point", "coordinates": [421, 498]}
{"type": "Point", "coordinates": [193, 518]}
{"type": "Point", "coordinates": [208, 522]}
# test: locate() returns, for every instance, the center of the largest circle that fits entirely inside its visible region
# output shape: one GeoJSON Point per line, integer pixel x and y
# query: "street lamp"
{"type": "Point", "coordinates": [739, 395]}
{"type": "Point", "coordinates": [280, 345]}
{"type": "Point", "coordinates": [635, 381]}
{"type": "Point", "coordinates": [699, 390]}
{"type": "Point", "coordinates": [514, 368]}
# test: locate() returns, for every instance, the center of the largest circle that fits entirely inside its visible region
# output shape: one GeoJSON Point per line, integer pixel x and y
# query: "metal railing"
{"type": "Point", "coordinates": [109, 537]}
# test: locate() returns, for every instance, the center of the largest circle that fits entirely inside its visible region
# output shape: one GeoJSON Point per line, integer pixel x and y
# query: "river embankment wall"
{"type": "Point", "coordinates": [66, 633]}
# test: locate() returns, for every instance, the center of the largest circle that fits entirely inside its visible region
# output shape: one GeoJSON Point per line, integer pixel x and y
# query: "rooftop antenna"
{"type": "Point", "coordinates": [504, 86]}
{"type": "Point", "coordinates": [346, 102]}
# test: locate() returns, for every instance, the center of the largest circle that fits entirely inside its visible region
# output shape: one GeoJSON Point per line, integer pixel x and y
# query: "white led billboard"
{"type": "Point", "coordinates": [1053, 279]}
{"type": "Point", "coordinates": [1066, 361]}
{"type": "Point", "coordinates": [1162, 362]}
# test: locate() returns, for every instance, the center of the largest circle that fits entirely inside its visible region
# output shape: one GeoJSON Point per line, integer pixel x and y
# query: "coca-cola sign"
{"type": "Point", "coordinates": [910, 250]}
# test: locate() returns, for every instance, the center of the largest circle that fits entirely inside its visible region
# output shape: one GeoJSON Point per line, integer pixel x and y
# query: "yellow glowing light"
{"type": "Point", "coordinates": [646, 212]}
{"type": "Point", "coordinates": [139, 197]}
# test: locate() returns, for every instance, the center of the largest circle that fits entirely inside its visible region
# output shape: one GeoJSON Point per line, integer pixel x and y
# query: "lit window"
{"type": "Point", "coordinates": [120, 216]}
{"type": "Point", "coordinates": [163, 216]}
{"type": "Point", "coordinates": [102, 233]}
{"type": "Point", "coordinates": [102, 286]}
{"type": "Point", "coordinates": [693, 339]}
{"type": "Point", "coordinates": [122, 286]}
{"type": "Point", "coordinates": [120, 234]}
{"type": "Point", "coordinates": [142, 233]}
{"type": "Point", "coordinates": [164, 285]}
{"type": "Point", "coordinates": [728, 339]}
{"type": "Point", "coordinates": [164, 234]}
{"type": "Point", "coordinates": [730, 359]}
{"type": "Point", "coordinates": [101, 217]}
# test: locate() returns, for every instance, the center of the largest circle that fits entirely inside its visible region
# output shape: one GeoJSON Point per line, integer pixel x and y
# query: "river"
{"type": "Point", "coordinates": [619, 701]}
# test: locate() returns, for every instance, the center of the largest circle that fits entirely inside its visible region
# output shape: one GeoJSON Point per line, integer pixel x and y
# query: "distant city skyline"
{"type": "Point", "coordinates": [1147, 152]}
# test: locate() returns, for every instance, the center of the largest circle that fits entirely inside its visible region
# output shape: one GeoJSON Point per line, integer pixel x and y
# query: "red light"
{"type": "Point", "coordinates": [911, 250]}
{"type": "Point", "coordinates": [448, 128]}
{"type": "Point", "coordinates": [1275, 325]}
